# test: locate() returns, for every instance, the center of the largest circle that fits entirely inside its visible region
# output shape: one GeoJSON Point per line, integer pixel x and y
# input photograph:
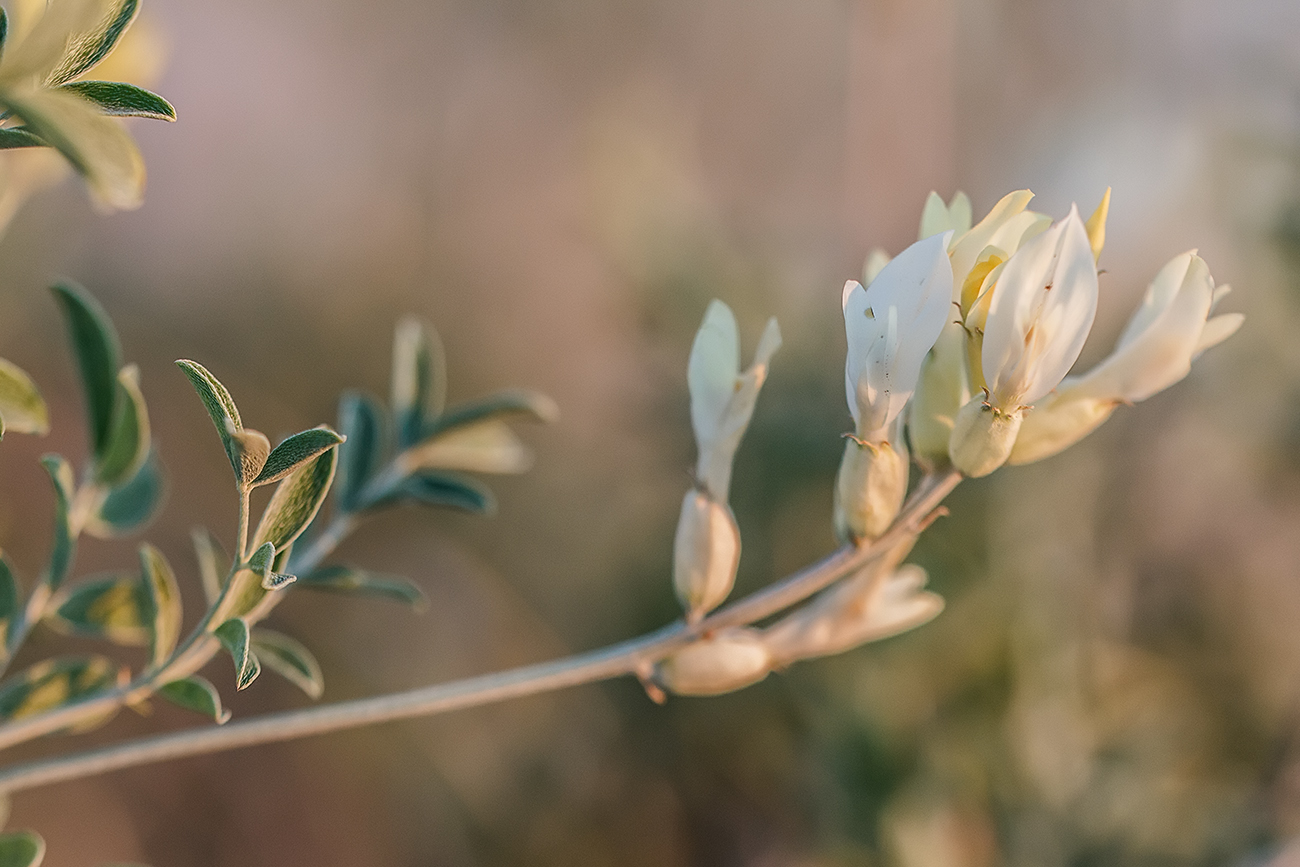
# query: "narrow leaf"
{"type": "Point", "coordinates": [532, 404]}
{"type": "Point", "coordinates": [129, 506]}
{"type": "Point", "coordinates": [345, 579]}
{"type": "Point", "coordinates": [55, 682]}
{"type": "Point", "coordinates": [118, 99]}
{"type": "Point", "coordinates": [277, 580]}
{"type": "Point", "coordinates": [20, 137]}
{"type": "Point", "coordinates": [94, 46]}
{"type": "Point", "coordinates": [449, 489]}
{"type": "Point", "coordinates": [197, 694]}
{"type": "Point", "coordinates": [95, 343]}
{"type": "Point", "coordinates": [62, 547]}
{"type": "Point", "coordinates": [419, 379]}
{"type": "Point", "coordinates": [234, 637]}
{"type": "Point", "coordinates": [361, 422]}
{"type": "Point", "coordinates": [214, 565]}
{"type": "Point", "coordinates": [113, 607]}
{"type": "Point", "coordinates": [163, 603]}
{"type": "Point", "coordinates": [220, 406]}
{"type": "Point", "coordinates": [289, 659]}
{"type": "Point", "coordinates": [262, 558]}
{"type": "Point", "coordinates": [21, 405]}
{"type": "Point", "coordinates": [296, 501]}
{"type": "Point", "coordinates": [486, 446]}
{"type": "Point", "coordinates": [4, 36]}
{"type": "Point", "coordinates": [21, 849]}
{"type": "Point", "coordinates": [127, 445]}
{"type": "Point", "coordinates": [296, 451]}
{"type": "Point", "coordinates": [8, 599]}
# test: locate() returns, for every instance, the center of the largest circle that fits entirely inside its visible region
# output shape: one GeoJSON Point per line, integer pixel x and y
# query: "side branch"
{"type": "Point", "coordinates": [597, 665]}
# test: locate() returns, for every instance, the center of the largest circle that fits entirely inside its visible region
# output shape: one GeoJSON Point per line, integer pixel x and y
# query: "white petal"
{"type": "Point", "coordinates": [959, 213]}
{"type": "Point", "coordinates": [1158, 295]}
{"type": "Point", "coordinates": [969, 246]}
{"type": "Point", "coordinates": [714, 467]}
{"type": "Point", "coordinates": [712, 371]}
{"type": "Point", "coordinates": [934, 217]}
{"type": "Point", "coordinates": [1217, 330]}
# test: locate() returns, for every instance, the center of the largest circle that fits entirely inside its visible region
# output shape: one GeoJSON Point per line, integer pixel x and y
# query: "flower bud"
{"type": "Point", "coordinates": [942, 391]}
{"type": "Point", "coordinates": [982, 437]}
{"type": "Point", "coordinates": [870, 487]}
{"type": "Point", "coordinates": [706, 553]}
{"type": "Point", "coordinates": [723, 662]}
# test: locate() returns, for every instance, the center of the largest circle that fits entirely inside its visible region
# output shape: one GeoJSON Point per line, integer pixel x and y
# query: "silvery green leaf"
{"type": "Point", "coordinates": [87, 49]}
{"type": "Point", "coordinates": [55, 682]}
{"type": "Point", "coordinates": [262, 558]}
{"type": "Point", "coordinates": [8, 601]}
{"type": "Point", "coordinates": [112, 607]}
{"type": "Point", "coordinates": [486, 446]}
{"type": "Point", "coordinates": [62, 547]}
{"type": "Point", "coordinates": [361, 422]}
{"type": "Point", "coordinates": [419, 384]}
{"type": "Point", "coordinates": [220, 406]}
{"type": "Point", "coordinates": [22, 409]}
{"type": "Point", "coordinates": [289, 659]}
{"type": "Point", "coordinates": [252, 448]}
{"type": "Point", "coordinates": [197, 694]}
{"type": "Point", "coordinates": [296, 501]}
{"type": "Point", "coordinates": [510, 402]}
{"type": "Point", "coordinates": [277, 580]}
{"type": "Point", "coordinates": [129, 506]}
{"type": "Point", "coordinates": [127, 445]}
{"type": "Point", "coordinates": [234, 637]}
{"type": "Point", "coordinates": [65, 31]}
{"type": "Point", "coordinates": [214, 565]}
{"type": "Point", "coordinates": [98, 147]}
{"type": "Point", "coordinates": [19, 137]}
{"type": "Point", "coordinates": [282, 557]}
{"type": "Point", "coordinates": [21, 849]}
{"type": "Point", "coordinates": [346, 579]}
{"type": "Point", "coordinates": [4, 35]}
{"type": "Point", "coordinates": [296, 451]}
{"type": "Point", "coordinates": [163, 603]}
{"type": "Point", "coordinates": [449, 489]}
{"type": "Point", "coordinates": [118, 99]}
{"type": "Point", "coordinates": [95, 343]}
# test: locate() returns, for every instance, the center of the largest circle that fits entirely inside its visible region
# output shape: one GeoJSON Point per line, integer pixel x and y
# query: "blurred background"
{"type": "Point", "coordinates": [560, 186]}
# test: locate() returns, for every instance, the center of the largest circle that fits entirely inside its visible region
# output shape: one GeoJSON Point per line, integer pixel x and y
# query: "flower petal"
{"type": "Point", "coordinates": [712, 371]}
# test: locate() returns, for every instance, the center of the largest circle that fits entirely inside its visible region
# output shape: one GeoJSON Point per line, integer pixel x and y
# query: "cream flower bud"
{"type": "Point", "coordinates": [725, 661]}
{"type": "Point", "coordinates": [1166, 333]}
{"type": "Point", "coordinates": [942, 390]}
{"type": "Point", "coordinates": [722, 398]}
{"type": "Point", "coordinates": [863, 608]}
{"type": "Point", "coordinates": [870, 486]}
{"type": "Point", "coordinates": [706, 553]}
{"type": "Point", "coordinates": [937, 218]}
{"type": "Point", "coordinates": [982, 437]}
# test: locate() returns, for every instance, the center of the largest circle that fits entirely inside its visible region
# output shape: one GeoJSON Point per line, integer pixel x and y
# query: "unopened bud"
{"type": "Point", "coordinates": [723, 662]}
{"type": "Point", "coordinates": [870, 488]}
{"type": "Point", "coordinates": [940, 393]}
{"type": "Point", "coordinates": [706, 553]}
{"type": "Point", "coordinates": [983, 436]}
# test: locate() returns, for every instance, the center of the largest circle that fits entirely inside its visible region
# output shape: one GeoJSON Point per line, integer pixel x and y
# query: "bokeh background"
{"type": "Point", "coordinates": [560, 186]}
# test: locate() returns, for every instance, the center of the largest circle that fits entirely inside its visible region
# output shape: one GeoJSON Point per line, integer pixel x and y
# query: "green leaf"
{"type": "Point", "coordinates": [94, 341]}
{"type": "Point", "coordinates": [19, 137]}
{"type": "Point", "coordinates": [98, 147]}
{"type": "Point", "coordinates": [63, 546]}
{"type": "Point", "coordinates": [112, 607]}
{"type": "Point", "coordinates": [21, 849]}
{"type": "Point", "coordinates": [197, 694]}
{"type": "Point", "coordinates": [277, 580]}
{"type": "Point", "coordinates": [163, 608]}
{"type": "Point", "coordinates": [449, 489]}
{"type": "Point", "coordinates": [234, 637]}
{"type": "Point", "coordinates": [532, 404]}
{"type": "Point", "coordinates": [296, 451]}
{"type": "Point", "coordinates": [55, 682]}
{"type": "Point", "coordinates": [127, 446]}
{"type": "Point", "coordinates": [129, 506]}
{"type": "Point", "coordinates": [94, 45]}
{"type": "Point", "coordinates": [361, 421]}
{"type": "Point", "coordinates": [289, 659]}
{"type": "Point", "coordinates": [296, 501]}
{"type": "Point", "coordinates": [252, 448]}
{"type": "Point", "coordinates": [262, 558]}
{"type": "Point", "coordinates": [346, 579]}
{"type": "Point", "coordinates": [221, 408]}
{"type": "Point", "coordinates": [118, 99]}
{"type": "Point", "coordinates": [8, 601]}
{"type": "Point", "coordinates": [4, 36]}
{"type": "Point", "coordinates": [419, 379]}
{"type": "Point", "coordinates": [485, 446]}
{"type": "Point", "coordinates": [214, 565]}
{"type": "Point", "coordinates": [21, 406]}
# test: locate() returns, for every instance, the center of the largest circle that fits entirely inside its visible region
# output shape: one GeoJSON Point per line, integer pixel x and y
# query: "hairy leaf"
{"type": "Point", "coordinates": [251, 451]}
{"type": "Point", "coordinates": [21, 849]}
{"type": "Point", "coordinates": [63, 546]}
{"type": "Point", "coordinates": [361, 421]}
{"type": "Point", "coordinates": [234, 637]}
{"type": "Point", "coordinates": [118, 99]}
{"type": "Point", "coordinates": [346, 579]}
{"type": "Point", "coordinates": [289, 659]}
{"type": "Point", "coordinates": [20, 137]}
{"type": "Point", "coordinates": [449, 489]}
{"type": "Point", "coordinates": [296, 451]}
{"type": "Point", "coordinates": [296, 501]}
{"type": "Point", "coordinates": [419, 379]}
{"type": "Point", "coordinates": [8, 600]}
{"type": "Point", "coordinates": [95, 343]}
{"type": "Point", "coordinates": [113, 607]}
{"type": "Point", "coordinates": [54, 682]}
{"type": "Point", "coordinates": [214, 565]}
{"type": "Point", "coordinates": [220, 406]}
{"type": "Point", "coordinates": [197, 694]}
{"type": "Point", "coordinates": [277, 580]}
{"type": "Point", "coordinates": [262, 558]}
{"type": "Point", "coordinates": [129, 506]}
{"type": "Point", "coordinates": [486, 446]}
{"type": "Point", "coordinates": [532, 404]}
{"type": "Point", "coordinates": [94, 45]}
{"type": "Point", "coordinates": [127, 445]}
{"type": "Point", "coordinates": [163, 609]}
{"type": "Point", "coordinates": [22, 408]}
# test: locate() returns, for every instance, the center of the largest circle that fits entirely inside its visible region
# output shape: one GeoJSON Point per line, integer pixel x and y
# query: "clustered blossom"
{"type": "Point", "coordinates": [960, 344]}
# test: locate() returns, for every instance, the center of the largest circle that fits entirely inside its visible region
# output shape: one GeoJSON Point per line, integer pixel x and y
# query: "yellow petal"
{"type": "Point", "coordinates": [1096, 226]}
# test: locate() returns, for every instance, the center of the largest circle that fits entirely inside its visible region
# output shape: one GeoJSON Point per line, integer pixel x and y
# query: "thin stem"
{"type": "Point", "coordinates": [241, 545]}
{"type": "Point", "coordinates": [616, 660]}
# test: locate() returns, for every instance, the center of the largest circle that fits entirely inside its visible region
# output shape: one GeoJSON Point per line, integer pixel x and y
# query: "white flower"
{"type": "Point", "coordinates": [1166, 333]}
{"type": "Point", "coordinates": [937, 218]}
{"type": "Point", "coordinates": [890, 326]}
